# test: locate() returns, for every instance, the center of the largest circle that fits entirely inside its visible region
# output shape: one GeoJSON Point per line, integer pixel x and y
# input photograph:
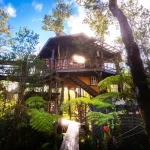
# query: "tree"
{"type": "Point", "coordinates": [34, 125]}
{"type": "Point", "coordinates": [7, 101]}
{"type": "Point", "coordinates": [40, 120]}
{"type": "Point", "coordinates": [138, 18]}
{"type": "Point", "coordinates": [133, 54]}
{"type": "Point", "coordinates": [23, 48]}
{"type": "Point", "coordinates": [135, 63]}
{"type": "Point", "coordinates": [55, 21]}
{"type": "Point", "coordinates": [4, 27]}
{"type": "Point", "coordinates": [79, 106]}
{"type": "Point", "coordinates": [127, 91]}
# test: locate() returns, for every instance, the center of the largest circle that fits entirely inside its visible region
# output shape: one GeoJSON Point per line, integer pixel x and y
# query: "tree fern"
{"type": "Point", "coordinates": [127, 93]}
{"type": "Point", "coordinates": [35, 102]}
{"type": "Point", "coordinates": [114, 96]}
{"type": "Point", "coordinates": [42, 121]}
{"type": "Point", "coordinates": [81, 100]}
{"type": "Point", "coordinates": [117, 79]}
{"type": "Point", "coordinates": [99, 118]}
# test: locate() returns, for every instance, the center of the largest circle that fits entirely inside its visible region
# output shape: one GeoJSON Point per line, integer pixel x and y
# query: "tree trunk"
{"type": "Point", "coordinates": [135, 63]}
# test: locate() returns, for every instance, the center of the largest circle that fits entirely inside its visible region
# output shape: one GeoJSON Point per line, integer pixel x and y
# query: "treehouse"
{"type": "Point", "coordinates": [78, 62]}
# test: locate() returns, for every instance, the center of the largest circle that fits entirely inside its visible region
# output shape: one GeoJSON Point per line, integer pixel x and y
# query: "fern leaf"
{"type": "Point", "coordinates": [35, 102]}
{"type": "Point", "coordinates": [42, 121]}
{"type": "Point", "coordinates": [115, 80]}
{"type": "Point", "coordinates": [99, 118]}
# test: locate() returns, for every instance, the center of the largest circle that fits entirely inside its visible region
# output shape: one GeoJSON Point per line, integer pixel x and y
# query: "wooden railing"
{"type": "Point", "coordinates": [13, 70]}
{"type": "Point", "coordinates": [90, 63]}
{"type": "Point", "coordinates": [7, 69]}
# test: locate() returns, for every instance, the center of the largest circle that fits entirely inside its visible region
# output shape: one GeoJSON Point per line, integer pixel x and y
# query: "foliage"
{"type": "Point", "coordinates": [42, 121]}
{"type": "Point", "coordinates": [34, 128]}
{"type": "Point", "coordinates": [108, 97]}
{"type": "Point", "coordinates": [101, 119]}
{"type": "Point", "coordinates": [4, 27]}
{"type": "Point", "coordinates": [24, 43]}
{"type": "Point", "coordinates": [100, 20]}
{"type": "Point", "coordinates": [127, 91]}
{"type": "Point", "coordinates": [35, 71]}
{"type": "Point", "coordinates": [138, 17]}
{"type": "Point", "coordinates": [6, 100]}
{"type": "Point", "coordinates": [23, 48]}
{"type": "Point", "coordinates": [55, 21]}
{"type": "Point", "coordinates": [98, 16]}
{"type": "Point", "coordinates": [117, 79]}
{"type": "Point", "coordinates": [87, 101]}
{"type": "Point", "coordinates": [35, 102]}
{"type": "Point", "coordinates": [87, 141]}
{"type": "Point", "coordinates": [26, 137]}
{"type": "Point", "coordinates": [6, 107]}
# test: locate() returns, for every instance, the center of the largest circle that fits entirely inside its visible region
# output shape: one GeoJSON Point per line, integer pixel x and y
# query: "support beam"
{"type": "Point", "coordinates": [69, 105]}
{"type": "Point", "coordinates": [62, 95]}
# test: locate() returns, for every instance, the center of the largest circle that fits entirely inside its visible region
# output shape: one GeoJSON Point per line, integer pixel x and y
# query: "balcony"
{"type": "Point", "coordinates": [91, 64]}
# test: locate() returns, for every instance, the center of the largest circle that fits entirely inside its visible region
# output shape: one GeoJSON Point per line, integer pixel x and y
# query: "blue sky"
{"type": "Point", "coordinates": [30, 13]}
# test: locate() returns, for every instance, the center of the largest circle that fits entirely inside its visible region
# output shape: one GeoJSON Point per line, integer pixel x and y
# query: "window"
{"type": "Point", "coordinates": [93, 80]}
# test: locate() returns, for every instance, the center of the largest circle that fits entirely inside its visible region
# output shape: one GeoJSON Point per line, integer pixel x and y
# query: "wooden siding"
{"type": "Point", "coordinates": [95, 87]}
{"type": "Point", "coordinates": [87, 80]}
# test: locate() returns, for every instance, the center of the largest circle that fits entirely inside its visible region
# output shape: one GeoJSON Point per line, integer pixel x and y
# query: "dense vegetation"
{"type": "Point", "coordinates": [24, 122]}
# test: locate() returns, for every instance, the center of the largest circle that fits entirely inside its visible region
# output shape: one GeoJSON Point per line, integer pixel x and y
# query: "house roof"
{"type": "Point", "coordinates": [64, 40]}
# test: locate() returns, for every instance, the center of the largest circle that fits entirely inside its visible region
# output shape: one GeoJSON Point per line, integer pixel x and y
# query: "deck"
{"type": "Point", "coordinates": [91, 64]}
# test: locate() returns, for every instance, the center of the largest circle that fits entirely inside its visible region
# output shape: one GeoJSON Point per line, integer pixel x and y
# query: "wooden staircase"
{"type": "Point", "coordinates": [83, 85]}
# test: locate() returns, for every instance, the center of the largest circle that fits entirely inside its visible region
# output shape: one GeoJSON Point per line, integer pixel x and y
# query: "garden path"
{"type": "Point", "coordinates": [71, 139]}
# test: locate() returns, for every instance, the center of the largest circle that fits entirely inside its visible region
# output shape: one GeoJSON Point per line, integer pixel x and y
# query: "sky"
{"type": "Point", "coordinates": [30, 13]}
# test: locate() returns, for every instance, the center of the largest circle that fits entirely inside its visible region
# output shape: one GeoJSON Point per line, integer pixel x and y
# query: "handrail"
{"type": "Point", "coordinates": [62, 64]}
{"type": "Point", "coordinates": [92, 62]}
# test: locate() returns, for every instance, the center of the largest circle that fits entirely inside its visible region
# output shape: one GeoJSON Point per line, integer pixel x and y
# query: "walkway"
{"type": "Point", "coordinates": [71, 139]}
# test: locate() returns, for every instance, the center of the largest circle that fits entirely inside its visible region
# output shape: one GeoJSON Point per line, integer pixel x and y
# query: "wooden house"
{"type": "Point", "coordinates": [78, 63]}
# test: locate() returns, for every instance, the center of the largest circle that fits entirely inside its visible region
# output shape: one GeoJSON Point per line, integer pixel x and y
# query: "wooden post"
{"type": "Point", "coordinates": [56, 98]}
{"type": "Point", "coordinates": [62, 96]}
{"type": "Point", "coordinates": [120, 86]}
{"type": "Point", "coordinates": [52, 60]}
{"type": "Point", "coordinates": [76, 94]}
{"type": "Point", "coordinates": [69, 105]}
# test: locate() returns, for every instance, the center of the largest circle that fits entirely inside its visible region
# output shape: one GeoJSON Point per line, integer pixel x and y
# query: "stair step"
{"type": "Point", "coordinates": [83, 85]}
